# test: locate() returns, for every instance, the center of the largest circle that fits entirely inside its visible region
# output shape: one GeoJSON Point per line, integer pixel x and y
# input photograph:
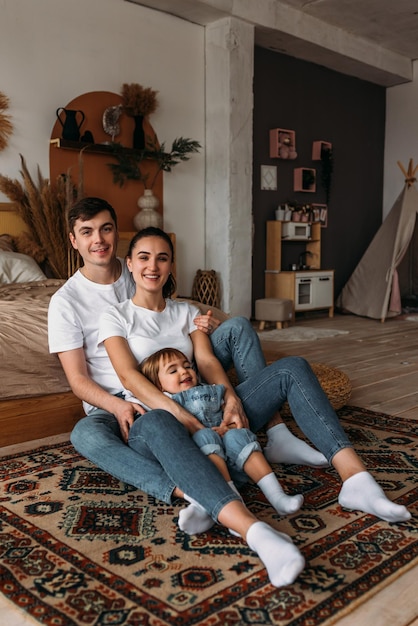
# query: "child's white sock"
{"type": "Point", "coordinates": [282, 559]}
{"type": "Point", "coordinates": [283, 447]}
{"type": "Point", "coordinates": [194, 519]}
{"type": "Point", "coordinates": [274, 493]}
{"type": "Point", "coordinates": [361, 492]}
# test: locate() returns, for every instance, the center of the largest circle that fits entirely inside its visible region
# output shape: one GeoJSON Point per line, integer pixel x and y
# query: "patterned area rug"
{"type": "Point", "coordinates": [78, 547]}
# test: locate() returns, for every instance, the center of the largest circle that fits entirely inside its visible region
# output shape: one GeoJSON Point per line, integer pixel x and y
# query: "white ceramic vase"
{"type": "Point", "coordinates": [148, 214]}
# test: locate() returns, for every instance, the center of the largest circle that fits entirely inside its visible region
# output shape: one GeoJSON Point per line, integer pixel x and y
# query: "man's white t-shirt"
{"type": "Point", "coordinates": [73, 322]}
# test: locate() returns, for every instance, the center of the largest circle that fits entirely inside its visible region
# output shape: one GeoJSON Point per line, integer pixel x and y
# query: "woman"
{"type": "Point", "coordinates": [134, 329]}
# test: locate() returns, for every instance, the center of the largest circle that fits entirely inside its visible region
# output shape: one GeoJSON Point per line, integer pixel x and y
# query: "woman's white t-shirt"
{"type": "Point", "coordinates": [148, 331]}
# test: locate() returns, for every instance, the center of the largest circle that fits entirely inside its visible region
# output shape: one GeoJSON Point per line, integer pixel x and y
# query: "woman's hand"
{"type": "Point", "coordinates": [207, 323]}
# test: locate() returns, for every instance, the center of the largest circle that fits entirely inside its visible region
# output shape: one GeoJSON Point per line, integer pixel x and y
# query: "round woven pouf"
{"type": "Point", "coordinates": [334, 382]}
{"type": "Point", "coordinates": [206, 288]}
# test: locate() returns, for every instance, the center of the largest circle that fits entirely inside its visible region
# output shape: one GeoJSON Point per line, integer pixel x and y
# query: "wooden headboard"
{"type": "Point", "coordinates": [10, 222]}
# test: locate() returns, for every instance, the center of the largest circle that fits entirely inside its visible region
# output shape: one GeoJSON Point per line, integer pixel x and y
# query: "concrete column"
{"type": "Point", "coordinates": [229, 154]}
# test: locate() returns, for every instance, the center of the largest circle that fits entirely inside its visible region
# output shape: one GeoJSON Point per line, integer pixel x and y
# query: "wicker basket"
{"type": "Point", "coordinates": [333, 381]}
{"type": "Point", "coordinates": [206, 288]}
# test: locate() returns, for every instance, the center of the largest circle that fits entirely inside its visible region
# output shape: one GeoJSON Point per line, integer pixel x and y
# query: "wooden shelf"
{"type": "Point", "coordinates": [275, 242]}
{"type": "Point", "coordinates": [100, 148]}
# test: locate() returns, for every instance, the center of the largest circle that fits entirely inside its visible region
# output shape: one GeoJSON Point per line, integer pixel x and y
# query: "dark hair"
{"type": "Point", "coordinates": [151, 365]}
{"type": "Point", "coordinates": [151, 231]}
{"type": "Point", "coordinates": [86, 208]}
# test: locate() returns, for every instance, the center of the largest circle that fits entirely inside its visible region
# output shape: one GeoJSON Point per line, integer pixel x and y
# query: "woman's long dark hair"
{"type": "Point", "coordinates": [170, 286]}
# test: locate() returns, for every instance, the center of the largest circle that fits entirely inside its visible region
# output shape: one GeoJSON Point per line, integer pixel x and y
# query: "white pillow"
{"type": "Point", "coordinates": [19, 268]}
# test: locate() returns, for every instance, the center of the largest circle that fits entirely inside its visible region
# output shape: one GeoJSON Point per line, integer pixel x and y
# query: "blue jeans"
{"type": "Point", "coordinates": [155, 462]}
{"type": "Point", "coordinates": [235, 344]}
{"type": "Point", "coordinates": [235, 448]}
{"type": "Point", "coordinates": [263, 389]}
{"type": "Point", "coordinates": [161, 456]}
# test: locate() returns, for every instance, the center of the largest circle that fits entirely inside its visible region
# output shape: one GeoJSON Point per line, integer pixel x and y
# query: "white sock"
{"type": "Point", "coordinates": [274, 493]}
{"type": "Point", "coordinates": [194, 519]}
{"type": "Point", "coordinates": [361, 492]}
{"type": "Point", "coordinates": [283, 447]}
{"type": "Point", "coordinates": [282, 559]}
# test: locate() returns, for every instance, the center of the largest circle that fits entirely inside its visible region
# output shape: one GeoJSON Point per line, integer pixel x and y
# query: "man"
{"type": "Point", "coordinates": [73, 329]}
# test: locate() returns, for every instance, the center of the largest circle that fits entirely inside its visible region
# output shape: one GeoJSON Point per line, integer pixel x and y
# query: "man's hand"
{"type": "Point", "coordinates": [207, 323]}
{"type": "Point", "coordinates": [125, 415]}
{"type": "Point", "coordinates": [233, 414]}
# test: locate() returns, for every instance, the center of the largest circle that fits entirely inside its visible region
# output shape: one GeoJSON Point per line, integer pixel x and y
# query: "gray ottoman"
{"type": "Point", "coordinates": [276, 310]}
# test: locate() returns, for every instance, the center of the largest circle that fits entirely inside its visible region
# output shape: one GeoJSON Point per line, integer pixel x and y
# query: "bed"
{"type": "Point", "coordinates": [35, 398]}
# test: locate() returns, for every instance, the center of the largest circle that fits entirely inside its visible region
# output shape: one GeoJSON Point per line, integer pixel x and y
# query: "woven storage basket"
{"type": "Point", "coordinates": [206, 288]}
{"type": "Point", "coordinates": [333, 381]}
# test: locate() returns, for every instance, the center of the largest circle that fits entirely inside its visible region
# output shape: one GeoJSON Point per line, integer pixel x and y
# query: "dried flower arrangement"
{"type": "Point", "coordinates": [6, 126]}
{"type": "Point", "coordinates": [43, 208]}
{"type": "Point", "coordinates": [128, 161]}
{"type": "Point", "coordinates": [138, 100]}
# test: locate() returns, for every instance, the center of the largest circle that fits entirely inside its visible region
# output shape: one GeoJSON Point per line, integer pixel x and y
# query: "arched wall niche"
{"type": "Point", "coordinates": [97, 176]}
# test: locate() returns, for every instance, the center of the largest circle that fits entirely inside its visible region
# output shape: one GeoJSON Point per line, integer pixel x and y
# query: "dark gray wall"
{"type": "Point", "coordinates": [319, 104]}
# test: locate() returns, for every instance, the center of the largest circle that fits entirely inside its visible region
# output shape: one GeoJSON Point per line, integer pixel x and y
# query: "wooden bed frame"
{"type": "Point", "coordinates": [27, 419]}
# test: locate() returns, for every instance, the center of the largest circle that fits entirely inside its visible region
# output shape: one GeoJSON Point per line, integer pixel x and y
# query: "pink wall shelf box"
{"type": "Point", "coordinates": [282, 144]}
{"type": "Point", "coordinates": [304, 179]}
{"type": "Point", "coordinates": [317, 148]}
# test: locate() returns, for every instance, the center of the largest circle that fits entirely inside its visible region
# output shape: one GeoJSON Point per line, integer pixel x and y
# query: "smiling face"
{"type": "Point", "coordinates": [176, 374]}
{"type": "Point", "coordinates": [96, 239]}
{"type": "Point", "coordinates": [150, 264]}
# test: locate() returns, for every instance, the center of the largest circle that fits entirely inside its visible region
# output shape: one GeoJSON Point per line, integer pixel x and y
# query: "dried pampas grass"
{"type": "Point", "coordinates": [43, 208]}
{"type": "Point", "coordinates": [138, 100]}
{"type": "Point", "coordinates": [6, 126]}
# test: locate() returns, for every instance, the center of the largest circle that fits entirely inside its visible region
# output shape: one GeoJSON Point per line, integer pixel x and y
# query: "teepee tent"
{"type": "Point", "coordinates": [388, 269]}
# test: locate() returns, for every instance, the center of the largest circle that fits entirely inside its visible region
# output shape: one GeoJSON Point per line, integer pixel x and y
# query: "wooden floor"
{"type": "Point", "coordinates": [382, 363]}
{"type": "Point", "coordinates": [380, 359]}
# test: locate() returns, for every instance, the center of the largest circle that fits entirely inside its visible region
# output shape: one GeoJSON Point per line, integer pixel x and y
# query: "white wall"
{"type": "Point", "coordinates": [401, 142]}
{"type": "Point", "coordinates": [54, 50]}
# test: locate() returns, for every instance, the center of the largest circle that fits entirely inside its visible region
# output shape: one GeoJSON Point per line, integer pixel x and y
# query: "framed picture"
{"type": "Point", "coordinates": [268, 176]}
{"type": "Point", "coordinates": [320, 214]}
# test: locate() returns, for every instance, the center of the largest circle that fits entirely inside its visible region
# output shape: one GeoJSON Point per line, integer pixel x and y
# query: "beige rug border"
{"type": "Point", "coordinates": [359, 602]}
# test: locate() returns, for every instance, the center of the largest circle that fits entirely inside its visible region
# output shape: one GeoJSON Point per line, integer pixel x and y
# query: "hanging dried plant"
{"type": "Point", "coordinates": [138, 100]}
{"type": "Point", "coordinates": [6, 126]}
{"type": "Point", "coordinates": [43, 208]}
